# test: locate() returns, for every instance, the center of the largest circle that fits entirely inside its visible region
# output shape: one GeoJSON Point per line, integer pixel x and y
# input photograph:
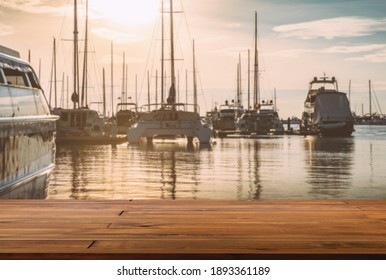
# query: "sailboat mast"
{"type": "Point", "coordinates": [75, 98]}
{"type": "Point", "coordinates": [104, 93]}
{"type": "Point", "coordinates": [194, 80]}
{"type": "Point", "coordinates": [148, 91]}
{"type": "Point", "coordinates": [238, 83]}
{"type": "Point", "coordinates": [239, 93]}
{"type": "Point", "coordinates": [112, 81]}
{"type": "Point", "coordinates": [53, 74]}
{"type": "Point", "coordinates": [370, 97]}
{"type": "Point", "coordinates": [256, 70]}
{"type": "Point", "coordinates": [162, 54]}
{"type": "Point", "coordinates": [55, 86]}
{"type": "Point", "coordinates": [123, 79]}
{"type": "Point", "coordinates": [85, 62]}
{"type": "Point", "coordinates": [76, 81]}
{"type": "Point", "coordinates": [249, 79]}
{"type": "Point", "coordinates": [172, 45]}
{"type": "Point", "coordinates": [172, 92]}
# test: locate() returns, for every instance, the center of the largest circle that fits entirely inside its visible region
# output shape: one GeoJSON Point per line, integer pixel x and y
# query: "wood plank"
{"type": "Point", "coordinates": [164, 228]}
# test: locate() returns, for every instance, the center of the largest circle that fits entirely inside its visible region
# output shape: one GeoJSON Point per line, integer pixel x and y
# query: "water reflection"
{"type": "Point", "coordinates": [288, 167]}
{"type": "Point", "coordinates": [329, 162]}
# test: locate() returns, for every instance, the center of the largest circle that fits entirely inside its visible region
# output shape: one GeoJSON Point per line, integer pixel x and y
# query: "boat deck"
{"type": "Point", "coordinates": [205, 229]}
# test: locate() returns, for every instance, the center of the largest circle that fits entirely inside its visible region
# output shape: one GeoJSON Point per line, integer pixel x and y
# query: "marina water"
{"type": "Point", "coordinates": [270, 167]}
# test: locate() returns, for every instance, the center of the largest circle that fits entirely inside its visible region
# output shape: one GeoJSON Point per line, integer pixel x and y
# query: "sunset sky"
{"type": "Point", "coordinates": [297, 40]}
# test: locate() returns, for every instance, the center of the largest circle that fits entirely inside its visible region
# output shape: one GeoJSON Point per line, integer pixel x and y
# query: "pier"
{"type": "Point", "coordinates": [193, 229]}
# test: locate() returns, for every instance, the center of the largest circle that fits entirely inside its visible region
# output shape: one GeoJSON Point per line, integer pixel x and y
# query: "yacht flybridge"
{"type": "Point", "coordinates": [326, 110]}
{"type": "Point", "coordinates": [171, 120]}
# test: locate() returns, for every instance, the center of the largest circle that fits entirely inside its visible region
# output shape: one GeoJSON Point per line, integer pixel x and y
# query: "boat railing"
{"type": "Point", "coordinates": [127, 106]}
{"type": "Point", "coordinates": [167, 106]}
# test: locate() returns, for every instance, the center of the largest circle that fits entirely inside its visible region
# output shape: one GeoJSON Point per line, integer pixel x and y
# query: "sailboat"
{"type": "Point", "coordinates": [263, 118]}
{"type": "Point", "coordinates": [229, 113]}
{"type": "Point", "coordinates": [81, 125]}
{"type": "Point", "coordinates": [372, 118]}
{"type": "Point", "coordinates": [171, 120]}
{"type": "Point", "coordinates": [127, 112]}
{"type": "Point", "coordinates": [326, 110]}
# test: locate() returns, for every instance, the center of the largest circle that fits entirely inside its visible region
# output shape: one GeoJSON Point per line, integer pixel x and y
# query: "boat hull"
{"type": "Point", "coordinates": [166, 129]}
{"type": "Point", "coordinates": [164, 123]}
{"type": "Point", "coordinates": [336, 129]}
{"type": "Point", "coordinates": [27, 155]}
{"type": "Point", "coordinates": [327, 113]}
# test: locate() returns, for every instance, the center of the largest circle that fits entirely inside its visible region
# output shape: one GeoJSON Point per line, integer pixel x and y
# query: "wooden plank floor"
{"type": "Point", "coordinates": [164, 229]}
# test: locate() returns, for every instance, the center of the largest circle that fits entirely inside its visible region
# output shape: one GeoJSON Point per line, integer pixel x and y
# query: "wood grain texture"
{"type": "Point", "coordinates": [188, 229]}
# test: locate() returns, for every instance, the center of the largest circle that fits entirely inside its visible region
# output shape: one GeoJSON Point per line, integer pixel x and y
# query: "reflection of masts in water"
{"type": "Point", "coordinates": [173, 175]}
{"type": "Point", "coordinates": [240, 165]}
{"type": "Point", "coordinates": [329, 175]}
{"type": "Point", "coordinates": [256, 183]}
{"type": "Point", "coordinates": [255, 187]}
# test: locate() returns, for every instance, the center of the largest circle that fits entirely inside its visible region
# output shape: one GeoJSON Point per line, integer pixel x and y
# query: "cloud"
{"type": "Point", "coordinates": [5, 29]}
{"type": "Point", "coordinates": [116, 36]}
{"type": "Point", "coordinates": [375, 53]}
{"type": "Point", "coordinates": [377, 57]}
{"type": "Point", "coordinates": [356, 49]}
{"type": "Point", "coordinates": [32, 6]}
{"type": "Point", "coordinates": [343, 27]}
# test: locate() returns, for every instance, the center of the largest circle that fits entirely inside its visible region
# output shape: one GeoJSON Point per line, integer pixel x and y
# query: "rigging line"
{"type": "Point", "coordinates": [376, 98]}
{"type": "Point", "coordinates": [61, 32]}
{"type": "Point", "coordinates": [155, 29]}
{"type": "Point", "coordinates": [263, 64]}
{"type": "Point", "coordinates": [197, 65]}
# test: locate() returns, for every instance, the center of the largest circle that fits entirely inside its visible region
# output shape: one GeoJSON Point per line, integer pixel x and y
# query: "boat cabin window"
{"type": "Point", "coordinates": [1, 77]}
{"type": "Point", "coordinates": [16, 78]}
{"type": "Point", "coordinates": [33, 80]}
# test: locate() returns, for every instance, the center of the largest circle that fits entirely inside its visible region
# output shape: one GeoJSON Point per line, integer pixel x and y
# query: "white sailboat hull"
{"type": "Point", "coordinates": [184, 124]}
{"type": "Point", "coordinates": [166, 129]}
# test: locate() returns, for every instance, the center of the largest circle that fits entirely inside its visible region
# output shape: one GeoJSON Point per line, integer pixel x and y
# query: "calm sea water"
{"type": "Point", "coordinates": [277, 167]}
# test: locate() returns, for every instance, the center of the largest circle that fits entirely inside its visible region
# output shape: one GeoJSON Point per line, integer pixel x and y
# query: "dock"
{"type": "Point", "coordinates": [193, 229]}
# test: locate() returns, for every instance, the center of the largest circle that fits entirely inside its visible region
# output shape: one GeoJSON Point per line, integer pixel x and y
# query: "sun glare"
{"type": "Point", "coordinates": [126, 12]}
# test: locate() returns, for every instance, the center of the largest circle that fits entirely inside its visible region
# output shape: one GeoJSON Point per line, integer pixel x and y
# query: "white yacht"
{"type": "Point", "coordinates": [27, 130]}
{"type": "Point", "coordinates": [127, 115]}
{"type": "Point", "coordinates": [326, 110]}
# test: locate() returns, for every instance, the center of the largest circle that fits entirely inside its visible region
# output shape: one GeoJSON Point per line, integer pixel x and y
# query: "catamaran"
{"type": "Point", "coordinates": [172, 119]}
